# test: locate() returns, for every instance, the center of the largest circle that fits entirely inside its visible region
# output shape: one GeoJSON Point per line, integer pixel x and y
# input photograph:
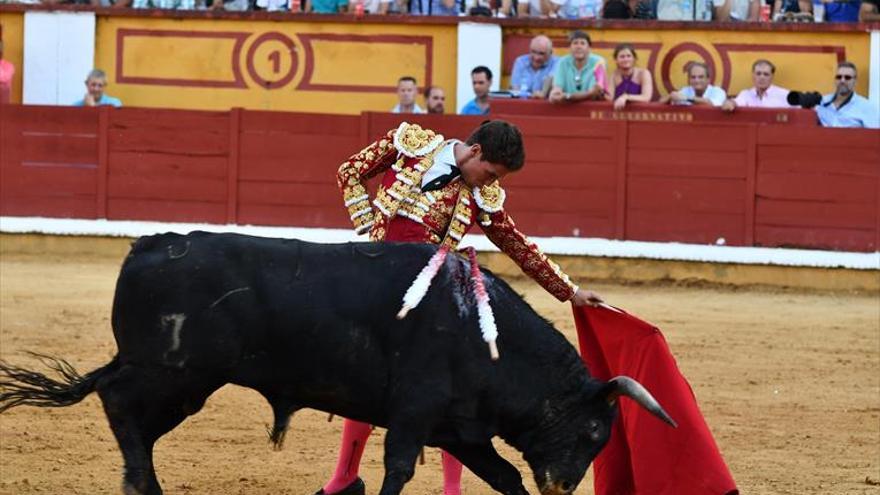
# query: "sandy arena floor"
{"type": "Point", "coordinates": [789, 383]}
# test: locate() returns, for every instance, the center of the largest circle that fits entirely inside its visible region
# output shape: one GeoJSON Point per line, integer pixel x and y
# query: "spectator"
{"type": "Point", "coordinates": [737, 10]}
{"type": "Point", "coordinates": [435, 99]}
{"type": "Point", "coordinates": [645, 9]}
{"type": "Point", "coordinates": [96, 84]}
{"type": "Point", "coordinates": [406, 96]}
{"type": "Point", "coordinates": [844, 108]}
{"type": "Point", "coordinates": [869, 11]}
{"type": "Point", "coordinates": [617, 9]}
{"type": "Point", "coordinates": [574, 9]}
{"type": "Point", "coordinates": [271, 5]}
{"type": "Point", "coordinates": [700, 92]}
{"type": "Point", "coordinates": [436, 7]}
{"type": "Point", "coordinates": [489, 8]}
{"type": "Point", "coordinates": [580, 75]}
{"type": "Point", "coordinates": [531, 70]}
{"type": "Point", "coordinates": [842, 10]}
{"type": "Point", "coordinates": [160, 4]}
{"type": "Point", "coordinates": [630, 83]}
{"type": "Point", "coordinates": [763, 94]}
{"type": "Point", "coordinates": [530, 8]}
{"type": "Point", "coordinates": [375, 7]}
{"type": "Point", "coordinates": [481, 79]}
{"type": "Point", "coordinates": [7, 71]}
{"type": "Point", "coordinates": [791, 7]}
{"type": "Point", "coordinates": [326, 6]}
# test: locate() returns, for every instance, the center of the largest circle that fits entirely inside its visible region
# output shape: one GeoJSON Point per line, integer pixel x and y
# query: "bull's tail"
{"type": "Point", "coordinates": [23, 387]}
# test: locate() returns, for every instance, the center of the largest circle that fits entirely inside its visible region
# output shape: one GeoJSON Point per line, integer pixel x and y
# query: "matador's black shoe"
{"type": "Point", "coordinates": [357, 487]}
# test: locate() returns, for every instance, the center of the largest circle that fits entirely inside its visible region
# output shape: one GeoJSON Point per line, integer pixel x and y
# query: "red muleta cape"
{"type": "Point", "coordinates": [646, 456]}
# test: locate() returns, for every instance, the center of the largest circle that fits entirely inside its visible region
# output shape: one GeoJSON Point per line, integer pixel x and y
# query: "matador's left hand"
{"type": "Point", "coordinates": [586, 298]}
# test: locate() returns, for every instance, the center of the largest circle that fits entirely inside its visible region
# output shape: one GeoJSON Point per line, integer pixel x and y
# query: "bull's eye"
{"type": "Point", "coordinates": [593, 429]}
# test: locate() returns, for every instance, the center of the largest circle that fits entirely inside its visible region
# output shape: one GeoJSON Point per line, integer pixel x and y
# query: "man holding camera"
{"type": "Point", "coordinates": [844, 108]}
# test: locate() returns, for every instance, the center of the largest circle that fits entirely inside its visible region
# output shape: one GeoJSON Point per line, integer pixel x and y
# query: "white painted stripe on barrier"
{"type": "Point", "coordinates": [550, 245]}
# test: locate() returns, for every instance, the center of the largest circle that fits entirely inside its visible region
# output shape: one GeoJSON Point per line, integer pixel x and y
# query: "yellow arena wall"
{"type": "Point", "coordinates": [12, 34]}
{"type": "Point", "coordinates": [215, 64]}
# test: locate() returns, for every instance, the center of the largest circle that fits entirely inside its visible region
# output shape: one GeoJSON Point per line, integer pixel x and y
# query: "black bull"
{"type": "Point", "coordinates": [313, 326]}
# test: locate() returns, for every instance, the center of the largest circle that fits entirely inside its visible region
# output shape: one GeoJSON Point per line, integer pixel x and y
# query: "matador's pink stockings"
{"type": "Point", "coordinates": [354, 439]}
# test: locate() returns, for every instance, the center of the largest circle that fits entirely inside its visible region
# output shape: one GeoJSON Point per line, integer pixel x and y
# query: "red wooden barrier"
{"type": "Point", "coordinates": [748, 183]}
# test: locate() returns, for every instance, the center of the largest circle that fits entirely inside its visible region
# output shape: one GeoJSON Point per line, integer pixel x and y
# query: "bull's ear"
{"type": "Point", "coordinates": [624, 385]}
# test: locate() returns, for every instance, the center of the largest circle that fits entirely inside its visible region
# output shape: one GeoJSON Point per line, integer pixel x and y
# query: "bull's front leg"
{"type": "Point", "coordinates": [402, 446]}
{"type": "Point", "coordinates": [487, 463]}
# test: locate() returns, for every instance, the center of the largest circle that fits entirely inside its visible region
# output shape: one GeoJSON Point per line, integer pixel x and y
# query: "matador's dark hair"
{"type": "Point", "coordinates": [501, 143]}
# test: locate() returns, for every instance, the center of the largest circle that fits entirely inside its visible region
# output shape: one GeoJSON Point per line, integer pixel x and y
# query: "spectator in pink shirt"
{"type": "Point", "coordinates": [763, 94]}
{"type": "Point", "coordinates": [7, 71]}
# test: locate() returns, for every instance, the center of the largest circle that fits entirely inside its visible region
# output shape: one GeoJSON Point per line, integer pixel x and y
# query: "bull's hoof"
{"type": "Point", "coordinates": [357, 487]}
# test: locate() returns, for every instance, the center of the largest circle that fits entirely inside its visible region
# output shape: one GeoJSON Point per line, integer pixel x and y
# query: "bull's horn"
{"type": "Point", "coordinates": [624, 385]}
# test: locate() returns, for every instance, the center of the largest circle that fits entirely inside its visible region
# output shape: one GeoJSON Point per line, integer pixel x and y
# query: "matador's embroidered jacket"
{"type": "Point", "coordinates": [402, 211]}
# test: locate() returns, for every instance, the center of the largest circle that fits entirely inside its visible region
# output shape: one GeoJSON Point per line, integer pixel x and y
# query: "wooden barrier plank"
{"type": "Point", "coordinates": [682, 209]}
{"type": "Point", "coordinates": [233, 165]}
{"type": "Point", "coordinates": [751, 169]}
{"type": "Point", "coordinates": [148, 164]}
{"type": "Point", "coordinates": [818, 238]}
{"type": "Point", "coordinates": [53, 181]}
{"type": "Point", "coordinates": [289, 193]}
{"type": "Point", "coordinates": [571, 149]}
{"type": "Point", "coordinates": [688, 163]}
{"type": "Point", "coordinates": [53, 120]}
{"type": "Point", "coordinates": [49, 206]}
{"type": "Point", "coordinates": [829, 187]}
{"type": "Point", "coordinates": [289, 157]}
{"type": "Point", "coordinates": [556, 200]}
{"type": "Point", "coordinates": [620, 186]}
{"type": "Point", "coordinates": [692, 227]}
{"type": "Point", "coordinates": [305, 123]}
{"type": "Point", "coordinates": [696, 137]}
{"type": "Point", "coordinates": [532, 126]}
{"type": "Point", "coordinates": [181, 141]}
{"type": "Point", "coordinates": [165, 131]}
{"type": "Point", "coordinates": [103, 171]}
{"type": "Point", "coordinates": [815, 214]}
{"type": "Point", "coordinates": [817, 157]}
{"type": "Point", "coordinates": [829, 138]}
{"type": "Point", "coordinates": [58, 149]}
{"type": "Point", "coordinates": [546, 224]}
{"type": "Point", "coordinates": [300, 216]}
{"type": "Point", "coordinates": [685, 195]}
{"type": "Point", "coordinates": [161, 188]}
{"type": "Point", "coordinates": [165, 210]}
{"type": "Point", "coordinates": [579, 176]}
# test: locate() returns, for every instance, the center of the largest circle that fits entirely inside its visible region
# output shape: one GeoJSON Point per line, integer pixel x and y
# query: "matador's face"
{"type": "Point", "coordinates": [477, 172]}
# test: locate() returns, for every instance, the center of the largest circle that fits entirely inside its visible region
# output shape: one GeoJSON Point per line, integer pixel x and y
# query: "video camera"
{"type": "Point", "coordinates": [804, 99]}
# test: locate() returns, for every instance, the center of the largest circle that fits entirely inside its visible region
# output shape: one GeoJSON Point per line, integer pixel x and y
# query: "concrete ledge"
{"type": "Point", "coordinates": [582, 269]}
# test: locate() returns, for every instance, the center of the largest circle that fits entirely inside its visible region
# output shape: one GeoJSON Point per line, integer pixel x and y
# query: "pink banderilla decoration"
{"type": "Point", "coordinates": [422, 283]}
